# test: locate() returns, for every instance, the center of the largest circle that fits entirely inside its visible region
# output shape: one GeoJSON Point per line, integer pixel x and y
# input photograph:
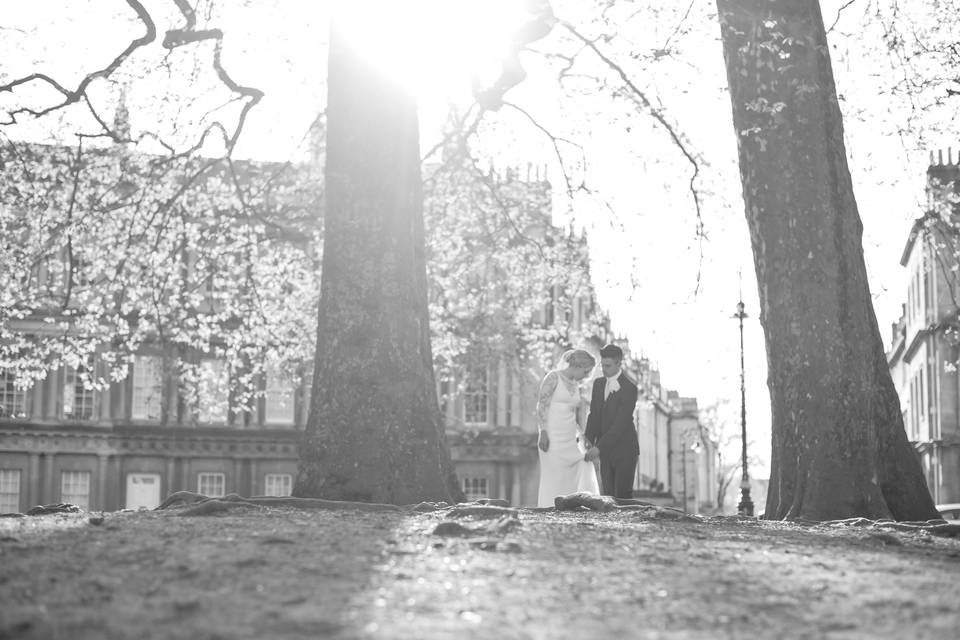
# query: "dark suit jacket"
{"type": "Point", "coordinates": [610, 423]}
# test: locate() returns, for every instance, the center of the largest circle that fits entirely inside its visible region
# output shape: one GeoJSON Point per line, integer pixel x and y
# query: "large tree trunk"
{"type": "Point", "coordinates": [374, 432]}
{"type": "Point", "coordinates": [839, 446]}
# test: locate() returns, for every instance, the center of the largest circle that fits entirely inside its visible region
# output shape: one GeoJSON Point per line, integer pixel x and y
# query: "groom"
{"type": "Point", "coordinates": [610, 425]}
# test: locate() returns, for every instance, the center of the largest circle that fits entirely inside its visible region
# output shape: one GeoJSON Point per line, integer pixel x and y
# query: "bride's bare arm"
{"type": "Point", "coordinates": [547, 387]}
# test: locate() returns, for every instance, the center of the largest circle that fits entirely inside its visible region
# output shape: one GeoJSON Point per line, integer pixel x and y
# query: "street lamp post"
{"type": "Point", "coordinates": [745, 508]}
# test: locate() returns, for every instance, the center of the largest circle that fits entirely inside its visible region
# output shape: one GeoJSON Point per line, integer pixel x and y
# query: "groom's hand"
{"type": "Point", "coordinates": [592, 454]}
{"type": "Point", "coordinates": [544, 441]}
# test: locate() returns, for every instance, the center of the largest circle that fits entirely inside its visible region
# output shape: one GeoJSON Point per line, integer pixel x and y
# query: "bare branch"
{"type": "Point", "coordinates": [71, 97]}
{"type": "Point", "coordinates": [459, 133]}
{"type": "Point", "coordinates": [657, 114]}
{"type": "Point", "coordinates": [187, 35]}
{"type": "Point", "coordinates": [666, 45]}
{"type": "Point", "coordinates": [539, 24]}
{"type": "Point", "coordinates": [839, 12]}
{"type": "Point", "coordinates": [555, 142]}
{"type": "Point", "coordinates": [71, 263]}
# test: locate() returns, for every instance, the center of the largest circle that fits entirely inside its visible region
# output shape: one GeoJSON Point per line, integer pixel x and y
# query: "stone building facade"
{"type": "Point", "coordinates": [925, 342]}
{"type": "Point", "coordinates": [112, 448]}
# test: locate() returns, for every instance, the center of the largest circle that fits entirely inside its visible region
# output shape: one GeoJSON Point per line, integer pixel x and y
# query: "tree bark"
{"type": "Point", "coordinates": [374, 432]}
{"type": "Point", "coordinates": [839, 445]}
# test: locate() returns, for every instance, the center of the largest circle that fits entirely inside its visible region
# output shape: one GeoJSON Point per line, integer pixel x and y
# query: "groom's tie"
{"type": "Point", "coordinates": [611, 385]}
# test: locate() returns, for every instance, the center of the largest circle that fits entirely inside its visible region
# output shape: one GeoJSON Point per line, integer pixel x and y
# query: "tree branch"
{"type": "Point", "coordinates": [554, 141]}
{"type": "Point", "coordinates": [839, 12]}
{"type": "Point", "coordinates": [644, 101]}
{"type": "Point", "coordinates": [187, 35]}
{"type": "Point", "coordinates": [73, 96]}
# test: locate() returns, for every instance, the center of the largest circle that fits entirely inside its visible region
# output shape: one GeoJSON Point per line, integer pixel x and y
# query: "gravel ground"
{"type": "Point", "coordinates": [265, 572]}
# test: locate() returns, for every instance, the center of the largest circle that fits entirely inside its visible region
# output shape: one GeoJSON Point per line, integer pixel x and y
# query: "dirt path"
{"type": "Point", "coordinates": [284, 573]}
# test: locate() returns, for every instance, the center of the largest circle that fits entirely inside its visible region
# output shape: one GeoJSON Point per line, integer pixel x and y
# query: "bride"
{"type": "Point", "coordinates": [563, 469]}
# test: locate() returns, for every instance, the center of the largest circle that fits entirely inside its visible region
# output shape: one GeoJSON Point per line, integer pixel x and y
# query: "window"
{"type": "Point", "coordinates": [917, 296]}
{"type": "Point", "coordinates": [81, 271]}
{"type": "Point", "coordinates": [550, 316]}
{"type": "Point", "coordinates": [212, 392]}
{"type": "Point", "coordinates": [932, 400]}
{"type": "Point", "coordinates": [213, 287]}
{"type": "Point", "coordinates": [9, 490]}
{"type": "Point", "coordinates": [914, 408]}
{"type": "Point", "coordinates": [476, 397]}
{"type": "Point", "coordinates": [278, 484]}
{"type": "Point", "coordinates": [475, 488]}
{"type": "Point", "coordinates": [511, 398]}
{"type": "Point", "coordinates": [75, 488]}
{"type": "Point", "coordinates": [211, 485]}
{"type": "Point", "coordinates": [147, 388]}
{"type": "Point", "coordinates": [278, 398]}
{"type": "Point", "coordinates": [13, 401]}
{"type": "Point", "coordinates": [920, 395]}
{"type": "Point", "coordinates": [444, 396]}
{"type": "Point", "coordinates": [78, 396]}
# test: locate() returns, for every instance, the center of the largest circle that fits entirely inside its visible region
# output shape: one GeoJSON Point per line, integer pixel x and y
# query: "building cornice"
{"type": "Point", "coordinates": [150, 441]}
{"type": "Point", "coordinates": [915, 343]}
{"type": "Point", "coordinates": [911, 239]}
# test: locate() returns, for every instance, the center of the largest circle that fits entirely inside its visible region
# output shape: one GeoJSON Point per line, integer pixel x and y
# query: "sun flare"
{"type": "Point", "coordinates": [433, 47]}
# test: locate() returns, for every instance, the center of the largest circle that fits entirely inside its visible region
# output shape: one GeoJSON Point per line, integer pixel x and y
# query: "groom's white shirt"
{"type": "Point", "coordinates": [611, 386]}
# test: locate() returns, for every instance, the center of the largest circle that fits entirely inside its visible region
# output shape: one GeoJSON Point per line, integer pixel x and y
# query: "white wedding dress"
{"type": "Point", "coordinates": [562, 468]}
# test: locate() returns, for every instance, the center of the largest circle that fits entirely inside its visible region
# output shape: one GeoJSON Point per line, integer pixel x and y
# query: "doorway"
{"type": "Point", "coordinates": [143, 490]}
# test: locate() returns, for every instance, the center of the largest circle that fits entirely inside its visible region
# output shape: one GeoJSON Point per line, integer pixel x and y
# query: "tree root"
{"type": "Point", "coordinates": [606, 504]}
{"type": "Point", "coordinates": [481, 511]}
{"type": "Point", "coordinates": [42, 510]}
{"type": "Point", "coordinates": [180, 498]}
{"type": "Point", "coordinates": [934, 527]}
{"type": "Point", "coordinates": [487, 507]}
{"type": "Point", "coordinates": [210, 507]}
{"type": "Point", "coordinates": [490, 502]}
{"type": "Point", "coordinates": [503, 525]}
{"type": "Point", "coordinates": [668, 513]}
{"type": "Point", "coordinates": [426, 507]}
{"type": "Point", "coordinates": [583, 499]}
{"type": "Point", "coordinates": [228, 501]}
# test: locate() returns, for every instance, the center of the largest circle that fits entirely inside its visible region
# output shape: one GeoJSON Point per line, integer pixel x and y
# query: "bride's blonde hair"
{"type": "Point", "coordinates": [578, 358]}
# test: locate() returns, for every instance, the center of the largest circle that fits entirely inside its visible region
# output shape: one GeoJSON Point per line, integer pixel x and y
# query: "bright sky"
{"type": "Point", "coordinates": [640, 222]}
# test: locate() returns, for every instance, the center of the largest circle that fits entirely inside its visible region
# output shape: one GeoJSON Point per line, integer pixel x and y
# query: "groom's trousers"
{"type": "Point", "coordinates": [617, 476]}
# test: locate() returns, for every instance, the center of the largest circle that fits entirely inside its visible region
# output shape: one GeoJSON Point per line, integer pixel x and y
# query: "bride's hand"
{"type": "Point", "coordinates": [544, 441]}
